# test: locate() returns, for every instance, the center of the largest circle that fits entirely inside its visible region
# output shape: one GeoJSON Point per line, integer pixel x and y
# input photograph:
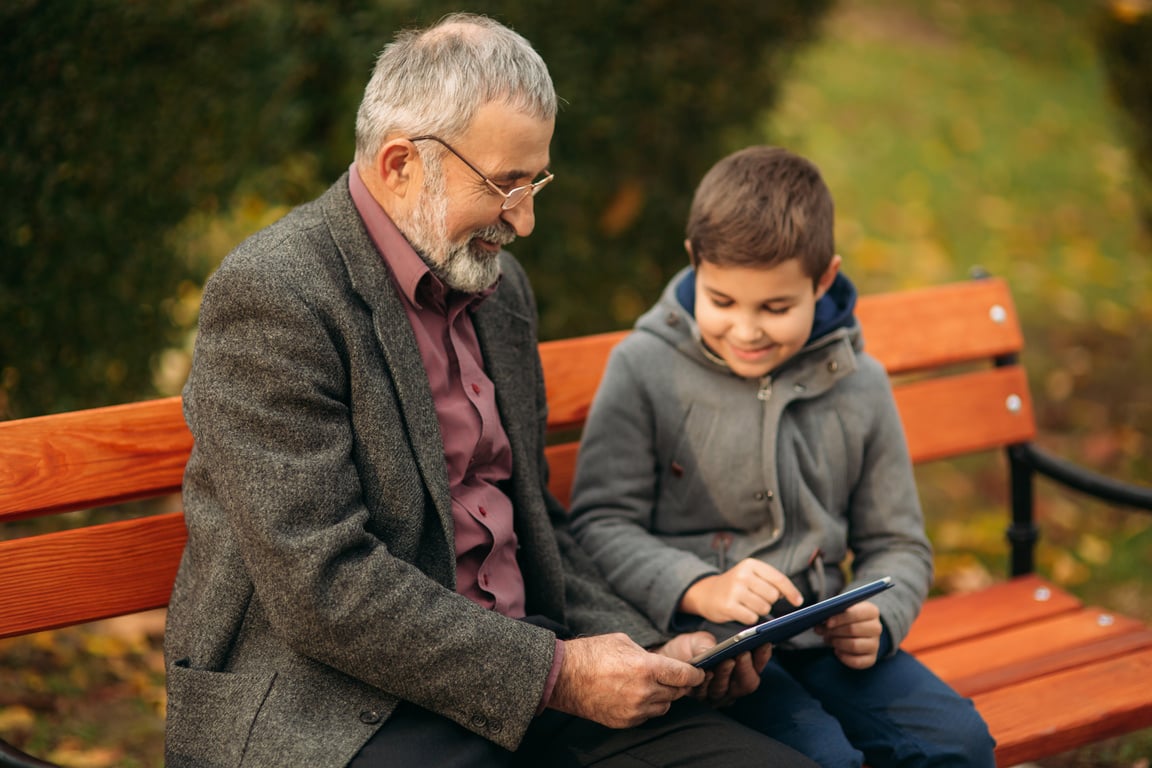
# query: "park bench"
{"type": "Point", "coordinates": [1047, 672]}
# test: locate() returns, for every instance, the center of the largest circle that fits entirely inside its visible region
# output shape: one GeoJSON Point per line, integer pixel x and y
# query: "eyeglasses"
{"type": "Point", "coordinates": [512, 197]}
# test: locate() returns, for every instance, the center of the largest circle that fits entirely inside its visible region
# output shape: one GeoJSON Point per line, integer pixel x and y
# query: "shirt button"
{"type": "Point", "coordinates": [484, 580]}
{"type": "Point", "coordinates": [483, 512]}
{"type": "Point", "coordinates": [476, 388]}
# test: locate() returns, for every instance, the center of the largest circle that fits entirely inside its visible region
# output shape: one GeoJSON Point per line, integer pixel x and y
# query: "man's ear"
{"type": "Point", "coordinates": [398, 164]}
{"type": "Point", "coordinates": [825, 281]}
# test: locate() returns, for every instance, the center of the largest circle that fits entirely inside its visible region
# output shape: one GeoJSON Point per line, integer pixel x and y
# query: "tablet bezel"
{"type": "Point", "coordinates": [789, 625]}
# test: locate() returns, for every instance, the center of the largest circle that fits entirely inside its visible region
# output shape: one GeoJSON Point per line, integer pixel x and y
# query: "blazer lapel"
{"type": "Point", "coordinates": [372, 282]}
{"type": "Point", "coordinates": [508, 341]}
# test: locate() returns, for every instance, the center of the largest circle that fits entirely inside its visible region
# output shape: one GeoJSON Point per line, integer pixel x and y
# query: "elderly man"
{"type": "Point", "coordinates": [375, 572]}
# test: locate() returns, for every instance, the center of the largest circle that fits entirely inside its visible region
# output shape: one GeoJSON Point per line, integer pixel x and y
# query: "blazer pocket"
{"type": "Point", "coordinates": [210, 715]}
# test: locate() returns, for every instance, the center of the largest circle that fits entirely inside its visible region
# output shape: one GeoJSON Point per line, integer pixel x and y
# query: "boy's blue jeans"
{"type": "Point", "coordinates": [896, 713]}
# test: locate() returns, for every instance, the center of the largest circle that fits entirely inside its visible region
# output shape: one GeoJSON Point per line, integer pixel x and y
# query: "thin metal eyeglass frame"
{"type": "Point", "coordinates": [513, 197]}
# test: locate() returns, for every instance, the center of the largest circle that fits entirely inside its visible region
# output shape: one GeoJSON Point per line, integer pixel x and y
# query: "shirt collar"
{"type": "Point", "coordinates": [413, 277]}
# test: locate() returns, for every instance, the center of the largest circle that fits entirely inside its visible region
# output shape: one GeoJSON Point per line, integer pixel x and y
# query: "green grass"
{"type": "Point", "coordinates": [947, 147]}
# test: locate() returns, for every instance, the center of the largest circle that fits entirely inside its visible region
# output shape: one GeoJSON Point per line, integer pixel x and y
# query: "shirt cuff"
{"type": "Point", "coordinates": [553, 676]}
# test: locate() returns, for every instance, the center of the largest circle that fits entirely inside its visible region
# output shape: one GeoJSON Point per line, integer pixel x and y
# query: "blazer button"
{"type": "Point", "coordinates": [370, 717]}
{"type": "Point", "coordinates": [479, 721]}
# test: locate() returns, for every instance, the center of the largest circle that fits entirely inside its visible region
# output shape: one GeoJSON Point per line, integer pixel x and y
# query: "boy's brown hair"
{"type": "Point", "coordinates": [761, 206]}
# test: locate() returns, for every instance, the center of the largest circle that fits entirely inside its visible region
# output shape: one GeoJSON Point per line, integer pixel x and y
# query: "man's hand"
{"type": "Point", "coordinates": [743, 593]}
{"type": "Point", "coordinates": [728, 680]}
{"type": "Point", "coordinates": [615, 682]}
{"type": "Point", "coordinates": [854, 635]}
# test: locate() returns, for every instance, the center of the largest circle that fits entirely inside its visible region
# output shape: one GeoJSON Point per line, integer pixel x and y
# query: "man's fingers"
{"type": "Point", "coordinates": [677, 676]}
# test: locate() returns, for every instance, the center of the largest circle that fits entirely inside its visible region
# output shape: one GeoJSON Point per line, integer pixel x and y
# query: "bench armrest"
{"type": "Point", "coordinates": [1025, 461]}
{"type": "Point", "coordinates": [1082, 479]}
{"type": "Point", "coordinates": [10, 757]}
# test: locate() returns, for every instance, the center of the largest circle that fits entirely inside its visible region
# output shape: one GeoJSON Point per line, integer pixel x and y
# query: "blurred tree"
{"type": "Point", "coordinates": [655, 92]}
{"type": "Point", "coordinates": [119, 119]}
{"type": "Point", "coordinates": [1124, 33]}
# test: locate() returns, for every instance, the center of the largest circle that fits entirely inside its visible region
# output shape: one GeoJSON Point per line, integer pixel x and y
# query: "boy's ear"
{"type": "Point", "coordinates": [825, 280]}
{"type": "Point", "coordinates": [688, 248]}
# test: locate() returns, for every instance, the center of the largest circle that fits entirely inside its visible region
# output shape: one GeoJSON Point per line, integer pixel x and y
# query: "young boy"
{"type": "Point", "coordinates": [744, 454]}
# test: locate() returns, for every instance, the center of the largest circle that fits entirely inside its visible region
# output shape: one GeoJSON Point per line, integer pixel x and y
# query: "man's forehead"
{"type": "Point", "coordinates": [498, 126]}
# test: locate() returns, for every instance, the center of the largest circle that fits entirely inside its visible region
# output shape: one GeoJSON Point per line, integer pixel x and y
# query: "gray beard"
{"type": "Point", "coordinates": [460, 266]}
{"type": "Point", "coordinates": [464, 267]}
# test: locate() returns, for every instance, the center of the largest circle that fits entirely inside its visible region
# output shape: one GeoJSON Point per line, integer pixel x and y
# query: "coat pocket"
{"type": "Point", "coordinates": [210, 715]}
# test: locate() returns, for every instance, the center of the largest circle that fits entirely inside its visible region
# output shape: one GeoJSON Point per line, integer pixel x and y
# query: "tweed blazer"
{"type": "Point", "coordinates": [317, 588]}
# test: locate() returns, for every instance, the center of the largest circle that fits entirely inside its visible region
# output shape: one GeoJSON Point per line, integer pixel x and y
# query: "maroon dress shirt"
{"type": "Point", "coordinates": [476, 450]}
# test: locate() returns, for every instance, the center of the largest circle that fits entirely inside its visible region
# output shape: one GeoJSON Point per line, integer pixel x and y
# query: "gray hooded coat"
{"type": "Point", "coordinates": [685, 469]}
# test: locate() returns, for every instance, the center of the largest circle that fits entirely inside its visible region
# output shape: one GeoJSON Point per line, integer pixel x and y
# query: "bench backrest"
{"type": "Point", "coordinates": [950, 349]}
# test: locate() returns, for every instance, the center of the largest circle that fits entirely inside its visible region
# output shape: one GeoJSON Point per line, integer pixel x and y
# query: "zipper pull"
{"type": "Point", "coordinates": [720, 544]}
{"type": "Point", "coordinates": [765, 390]}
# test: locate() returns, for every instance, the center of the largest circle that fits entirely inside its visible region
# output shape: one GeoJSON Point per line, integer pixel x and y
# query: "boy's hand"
{"type": "Point", "coordinates": [854, 635]}
{"type": "Point", "coordinates": [743, 593]}
{"type": "Point", "coordinates": [728, 680]}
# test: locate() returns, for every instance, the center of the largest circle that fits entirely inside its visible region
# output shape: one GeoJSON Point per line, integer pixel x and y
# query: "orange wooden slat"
{"type": "Point", "coordinates": [71, 577]}
{"type": "Point", "coordinates": [92, 458]}
{"type": "Point", "coordinates": [952, 618]}
{"type": "Point", "coordinates": [1035, 649]}
{"type": "Point", "coordinates": [968, 412]}
{"type": "Point", "coordinates": [561, 469]}
{"type": "Point", "coordinates": [572, 371]}
{"type": "Point", "coordinates": [940, 325]}
{"type": "Point", "coordinates": [1059, 712]}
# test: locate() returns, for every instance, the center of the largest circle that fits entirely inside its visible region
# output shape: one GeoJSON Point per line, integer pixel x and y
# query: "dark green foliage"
{"type": "Point", "coordinates": [118, 119]}
{"type": "Point", "coordinates": [1125, 40]}
{"type": "Point", "coordinates": [655, 93]}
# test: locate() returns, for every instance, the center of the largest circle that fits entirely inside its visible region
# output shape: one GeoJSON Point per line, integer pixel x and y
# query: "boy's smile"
{"type": "Point", "coordinates": [756, 318]}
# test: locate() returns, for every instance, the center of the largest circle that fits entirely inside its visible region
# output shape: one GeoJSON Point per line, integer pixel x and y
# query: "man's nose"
{"type": "Point", "coordinates": [522, 218]}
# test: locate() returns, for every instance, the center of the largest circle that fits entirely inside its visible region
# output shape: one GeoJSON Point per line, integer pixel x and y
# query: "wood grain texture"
{"type": "Point", "coordinates": [572, 371]}
{"type": "Point", "coordinates": [1033, 649]}
{"type": "Point", "coordinates": [71, 577]}
{"type": "Point", "coordinates": [941, 325]}
{"type": "Point", "coordinates": [92, 458]}
{"type": "Point", "coordinates": [952, 618]}
{"type": "Point", "coordinates": [965, 413]}
{"type": "Point", "coordinates": [1061, 711]}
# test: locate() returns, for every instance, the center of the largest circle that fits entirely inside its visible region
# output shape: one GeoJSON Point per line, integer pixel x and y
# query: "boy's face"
{"type": "Point", "coordinates": [755, 318]}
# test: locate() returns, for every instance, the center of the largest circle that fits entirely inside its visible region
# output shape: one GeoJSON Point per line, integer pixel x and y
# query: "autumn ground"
{"type": "Point", "coordinates": [952, 134]}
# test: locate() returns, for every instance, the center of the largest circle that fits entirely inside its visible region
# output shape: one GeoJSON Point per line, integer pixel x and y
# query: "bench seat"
{"type": "Point", "coordinates": [1047, 672]}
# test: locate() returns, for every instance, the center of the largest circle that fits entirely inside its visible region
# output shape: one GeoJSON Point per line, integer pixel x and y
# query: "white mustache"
{"type": "Point", "coordinates": [501, 234]}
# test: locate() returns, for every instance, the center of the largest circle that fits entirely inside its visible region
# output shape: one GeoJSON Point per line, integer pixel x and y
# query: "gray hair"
{"type": "Point", "coordinates": [432, 81]}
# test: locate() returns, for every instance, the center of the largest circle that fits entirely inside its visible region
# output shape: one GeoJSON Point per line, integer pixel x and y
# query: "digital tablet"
{"type": "Point", "coordinates": [788, 625]}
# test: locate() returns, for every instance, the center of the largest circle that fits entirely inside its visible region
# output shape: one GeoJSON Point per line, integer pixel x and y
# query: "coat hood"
{"type": "Point", "coordinates": [673, 318]}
